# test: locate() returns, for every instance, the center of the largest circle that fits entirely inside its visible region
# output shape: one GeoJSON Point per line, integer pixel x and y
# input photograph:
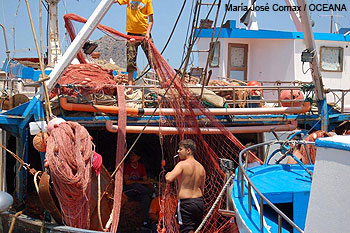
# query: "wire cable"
{"type": "Point", "coordinates": [169, 38]}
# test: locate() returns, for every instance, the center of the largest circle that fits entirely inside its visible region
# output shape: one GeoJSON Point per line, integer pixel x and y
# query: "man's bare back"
{"type": "Point", "coordinates": [190, 175]}
{"type": "Point", "coordinates": [191, 181]}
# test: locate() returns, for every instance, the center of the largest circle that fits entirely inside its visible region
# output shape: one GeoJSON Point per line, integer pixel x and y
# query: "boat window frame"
{"type": "Point", "coordinates": [245, 60]}
{"type": "Point", "coordinates": [340, 62]}
{"type": "Point", "coordinates": [214, 46]}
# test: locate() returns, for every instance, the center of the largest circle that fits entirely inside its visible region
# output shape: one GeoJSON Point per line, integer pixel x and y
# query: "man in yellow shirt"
{"type": "Point", "coordinates": [139, 22]}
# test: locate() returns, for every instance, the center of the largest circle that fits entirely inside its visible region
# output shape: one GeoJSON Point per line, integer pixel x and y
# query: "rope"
{"type": "Point", "coordinates": [228, 182]}
{"type": "Point", "coordinates": [42, 228]}
{"type": "Point", "coordinates": [36, 182]}
{"type": "Point", "coordinates": [99, 201]}
{"type": "Point", "coordinates": [47, 99]}
{"type": "Point", "coordinates": [25, 165]}
{"type": "Point", "coordinates": [169, 38]}
{"type": "Point", "coordinates": [14, 220]}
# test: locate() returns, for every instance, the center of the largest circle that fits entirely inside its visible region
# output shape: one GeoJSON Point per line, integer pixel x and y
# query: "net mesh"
{"type": "Point", "coordinates": [68, 154]}
{"type": "Point", "coordinates": [209, 147]}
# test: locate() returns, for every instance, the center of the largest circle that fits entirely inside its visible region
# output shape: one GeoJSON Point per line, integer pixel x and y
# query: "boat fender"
{"type": "Point", "coordinates": [287, 95]}
{"type": "Point", "coordinates": [255, 92]}
{"type": "Point", "coordinates": [39, 141]}
{"type": "Point", "coordinates": [6, 201]}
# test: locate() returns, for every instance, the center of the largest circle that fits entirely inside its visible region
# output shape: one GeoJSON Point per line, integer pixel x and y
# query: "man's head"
{"type": "Point", "coordinates": [186, 147]}
{"type": "Point", "coordinates": [134, 157]}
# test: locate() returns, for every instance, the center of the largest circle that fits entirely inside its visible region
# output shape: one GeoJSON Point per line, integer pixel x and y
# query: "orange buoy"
{"type": "Point", "coordinates": [255, 91]}
{"type": "Point", "coordinates": [163, 163]}
{"type": "Point", "coordinates": [39, 141]}
{"type": "Point", "coordinates": [287, 95]}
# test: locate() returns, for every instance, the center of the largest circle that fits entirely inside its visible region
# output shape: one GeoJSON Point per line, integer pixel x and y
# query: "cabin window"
{"type": "Point", "coordinates": [237, 61]}
{"type": "Point", "coordinates": [214, 57]}
{"type": "Point", "coordinates": [331, 59]}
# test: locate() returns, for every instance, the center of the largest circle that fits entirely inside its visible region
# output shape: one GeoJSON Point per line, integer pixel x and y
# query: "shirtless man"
{"type": "Point", "coordinates": [190, 176]}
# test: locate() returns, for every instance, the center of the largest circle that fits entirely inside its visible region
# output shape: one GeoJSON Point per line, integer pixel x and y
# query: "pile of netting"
{"type": "Point", "coordinates": [68, 155]}
{"type": "Point", "coordinates": [86, 79]}
{"type": "Point", "coordinates": [209, 147]}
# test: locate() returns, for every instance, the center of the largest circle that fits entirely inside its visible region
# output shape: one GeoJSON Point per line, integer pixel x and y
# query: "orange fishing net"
{"type": "Point", "coordinates": [86, 79]}
{"type": "Point", "coordinates": [68, 155]}
{"type": "Point", "coordinates": [311, 148]}
{"type": "Point", "coordinates": [209, 147]}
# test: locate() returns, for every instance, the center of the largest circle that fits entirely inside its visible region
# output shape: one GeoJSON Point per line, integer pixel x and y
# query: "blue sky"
{"type": "Point", "coordinates": [21, 40]}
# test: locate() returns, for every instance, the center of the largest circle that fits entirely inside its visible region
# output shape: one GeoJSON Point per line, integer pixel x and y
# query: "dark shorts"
{"type": "Point", "coordinates": [131, 53]}
{"type": "Point", "coordinates": [190, 213]}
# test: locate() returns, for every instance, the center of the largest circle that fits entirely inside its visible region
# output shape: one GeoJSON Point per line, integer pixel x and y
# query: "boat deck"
{"type": "Point", "coordinates": [287, 186]}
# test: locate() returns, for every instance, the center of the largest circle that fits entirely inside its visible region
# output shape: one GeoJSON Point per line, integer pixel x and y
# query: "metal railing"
{"type": "Point", "coordinates": [251, 100]}
{"type": "Point", "coordinates": [244, 178]}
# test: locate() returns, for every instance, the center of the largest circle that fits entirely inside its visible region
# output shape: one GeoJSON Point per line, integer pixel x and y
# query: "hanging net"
{"type": "Point", "coordinates": [209, 147]}
{"type": "Point", "coordinates": [68, 155]}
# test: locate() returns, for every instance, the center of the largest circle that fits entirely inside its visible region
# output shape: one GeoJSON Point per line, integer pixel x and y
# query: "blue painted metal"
{"type": "Point", "coordinates": [322, 106]}
{"type": "Point", "coordinates": [16, 121]}
{"type": "Point", "coordinates": [343, 144]}
{"type": "Point", "coordinates": [233, 32]}
{"type": "Point", "coordinates": [20, 71]}
{"type": "Point", "coordinates": [22, 152]}
{"type": "Point", "coordinates": [280, 184]}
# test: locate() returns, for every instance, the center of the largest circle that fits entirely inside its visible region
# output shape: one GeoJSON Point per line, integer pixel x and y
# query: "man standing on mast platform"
{"type": "Point", "coordinates": [139, 22]}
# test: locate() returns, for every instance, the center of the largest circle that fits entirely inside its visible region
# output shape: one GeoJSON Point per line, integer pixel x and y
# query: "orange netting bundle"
{"type": "Point", "coordinates": [68, 155]}
{"type": "Point", "coordinates": [86, 79]}
{"type": "Point", "coordinates": [311, 148]}
{"type": "Point", "coordinates": [209, 147]}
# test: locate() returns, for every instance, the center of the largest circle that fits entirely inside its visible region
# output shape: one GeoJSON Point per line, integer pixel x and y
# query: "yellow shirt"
{"type": "Point", "coordinates": [137, 13]}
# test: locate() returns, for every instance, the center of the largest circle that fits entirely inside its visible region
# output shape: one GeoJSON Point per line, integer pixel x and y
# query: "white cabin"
{"type": "Point", "coordinates": [266, 55]}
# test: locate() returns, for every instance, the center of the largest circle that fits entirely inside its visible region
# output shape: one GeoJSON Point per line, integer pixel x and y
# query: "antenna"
{"type": "Point", "coordinates": [332, 20]}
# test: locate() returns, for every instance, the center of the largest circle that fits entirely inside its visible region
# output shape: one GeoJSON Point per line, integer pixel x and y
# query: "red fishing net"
{"type": "Point", "coordinates": [86, 79]}
{"type": "Point", "coordinates": [68, 155]}
{"type": "Point", "coordinates": [209, 147]}
{"type": "Point", "coordinates": [311, 148]}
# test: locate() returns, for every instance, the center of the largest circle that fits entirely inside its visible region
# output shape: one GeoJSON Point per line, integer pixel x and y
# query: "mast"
{"type": "Point", "coordinates": [314, 65]}
{"type": "Point", "coordinates": [77, 44]}
{"type": "Point", "coordinates": [54, 50]}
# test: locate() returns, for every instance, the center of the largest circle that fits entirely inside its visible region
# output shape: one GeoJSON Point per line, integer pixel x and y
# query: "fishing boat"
{"type": "Point", "coordinates": [277, 197]}
{"type": "Point", "coordinates": [174, 106]}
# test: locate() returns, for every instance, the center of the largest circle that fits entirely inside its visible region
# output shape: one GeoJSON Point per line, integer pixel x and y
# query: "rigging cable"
{"type": "Point", "coordinates": [222, 22]}
{"type": "Point", "coordinates": [14, 27]}
{"type": "Point", "coordinates": [188, 29]}
{"type": "Point", "coordinates": [151, 116]}
{"type": "Point", "coordinates": [169, 38]}
{"type": "Point", "coordinates": [195, 36]}
{"type": "Point", "coordinates": [3, 12]}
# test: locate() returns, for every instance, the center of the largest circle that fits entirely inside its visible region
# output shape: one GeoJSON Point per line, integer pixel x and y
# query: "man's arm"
{"type": "Point", "coordinates": [171, 176]}
{"type": "Point", "coordinates": [149, 28]}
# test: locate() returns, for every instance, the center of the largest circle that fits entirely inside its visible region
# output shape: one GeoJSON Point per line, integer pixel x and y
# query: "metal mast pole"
{"type": "Point", "coordinates": [54, 44]}
{"type": "Point", "coordinates": [316, 71]}
{"type": "Point", "coordinates": [77, 43]}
